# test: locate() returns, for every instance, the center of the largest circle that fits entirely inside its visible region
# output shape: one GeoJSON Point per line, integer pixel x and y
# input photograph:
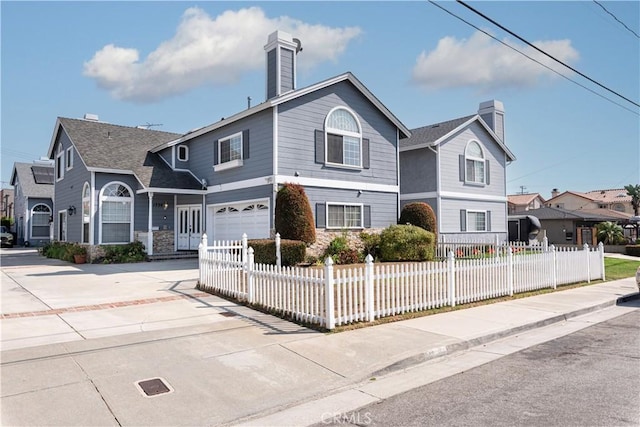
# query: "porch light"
{"type": "Point", "coordinates": [165, 205]}
{"type": "Point", "coordinates": [71, 210]}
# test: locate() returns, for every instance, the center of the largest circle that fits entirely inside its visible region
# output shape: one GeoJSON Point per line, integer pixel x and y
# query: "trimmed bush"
{"type": "Point", "coordinates": [633, 250]}
{"type": "Point", "coordinates": [370, 243]}
{"type": "Point", "coordinates": [341, 253]}
{"type": "Point", "coordinates": [264, 251]}
{"type": "Point", "coordinates": [406, 243]}
{"type": "Point", "coordinates": [293, 216]}
{"type": "Point", "coordinates": [421, 215]}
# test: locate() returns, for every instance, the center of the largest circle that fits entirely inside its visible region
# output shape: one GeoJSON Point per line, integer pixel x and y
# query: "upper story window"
{"type": "Point", "coordinates": [474, 163]}
{"type": "Point", "coordinates": [59, 164]}
{"type": "Point", "coordinates": [183, 153]}
{"type": "Point", "coordinates": [231, 151]}
{"type": "Point", "coordinates": [69, 158]}
{"type": "Point", "coordinates": [343, 138]}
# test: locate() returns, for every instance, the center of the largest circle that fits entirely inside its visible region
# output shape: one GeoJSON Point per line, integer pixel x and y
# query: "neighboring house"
{"type": "Point", "coordinates": [458, 167]}
{"type": "Point", "coordinates": [525, 202]}
{"type": "Point", "coordinates": [575, 227]}
{"type": "Point", "coordinates": [335, 138]}
{"type": "Point", "coordinates": [33, 205]}
{"type": "Point", "coordinates": [616, 199]}
{"type": "Point", "coordinates": [6, 202]}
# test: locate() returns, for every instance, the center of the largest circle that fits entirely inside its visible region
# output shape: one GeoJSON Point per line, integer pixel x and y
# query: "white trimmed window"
{"type": "Point", "coordinates": [69, 158]}
{"type": "Point", "coordinates": [116, 213]}
{"type": "Point", "coordinates": [344, 216]}
{"type": "Point", "coordinates": [476, 221]}
{"type": "Point", "coordinates": [183, 153]}
{"type": "Point", "coordinates": [40, 218]}
{"type": "Point", "coordinates": [59, 164]}
{"type": "Point", "coordinates": [474, 163]}
{"type": "Point", "coordinates": [229, 152]}
{"type": "Point", "coordinates": [86, 212]}
{"type": "Point", "coordinates": [343, 138]}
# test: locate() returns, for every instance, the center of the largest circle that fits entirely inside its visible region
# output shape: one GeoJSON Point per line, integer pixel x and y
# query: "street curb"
{"type": "Point", "coordinates": [465, 345]}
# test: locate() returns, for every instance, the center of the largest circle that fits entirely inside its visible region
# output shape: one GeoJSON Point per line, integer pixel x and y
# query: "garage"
{"type": "Point", "coordinates": [231, 220]}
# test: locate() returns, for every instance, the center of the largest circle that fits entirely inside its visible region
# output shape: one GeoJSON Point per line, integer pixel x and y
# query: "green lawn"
{"type": "Point", "coordinates": [615, 268]}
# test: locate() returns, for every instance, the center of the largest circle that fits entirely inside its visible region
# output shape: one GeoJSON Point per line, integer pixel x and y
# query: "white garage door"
{"type": "Point", "coordinates": [232, 220]}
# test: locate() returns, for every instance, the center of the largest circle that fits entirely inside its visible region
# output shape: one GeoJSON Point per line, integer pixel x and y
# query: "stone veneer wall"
{"type": "Point", "coordinates": [163, 241]}
{"type": "Point", "coordinates": [324, 237]}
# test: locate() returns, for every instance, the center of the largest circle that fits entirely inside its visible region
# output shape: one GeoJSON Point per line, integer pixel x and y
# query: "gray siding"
{"type": "Point", "coordinates": [450, 152]}
{"type": "Point", "coordinates": [300, 118]}
{"type": "Point", "coordinates": [259, 163]}
{"type": "Point", "coordinates": [68, 192]}
{"type": "Point", "coordinates": [384, 206]}
{"type": "Point", "coordinates": [272, 85]}
{"type": "Point", "coordinates": [286, 70]}
{"type": "Point", "coordinates": [163, 219]}
{"type": "Point", "coordinates": [166, 154]}
{"type": "Point", "coordinates": [30, 204]}
{"type": "Point", "coordinates": [450, 217]}
{"type": "Point", "coordinates": [418, 171]}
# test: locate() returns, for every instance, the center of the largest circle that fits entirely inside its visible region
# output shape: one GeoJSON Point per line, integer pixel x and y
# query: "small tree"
{"type": "Point", "coordinates": [634, 192]}
{"type": "Point", "coordinates": [421, 215]}
{"type": "Point", "coordinates": [293, 216]}
{"type": "Point", "coordinates": [609, 233]}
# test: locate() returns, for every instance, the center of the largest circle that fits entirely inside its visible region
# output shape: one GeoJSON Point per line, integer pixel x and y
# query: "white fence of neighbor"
{"type": "Point", "coordinates": [331, 296]}
{"type": "Point", "coordinates": [482, 249]}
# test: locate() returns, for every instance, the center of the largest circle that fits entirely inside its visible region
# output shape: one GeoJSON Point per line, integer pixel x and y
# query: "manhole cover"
{"type": "Point", "coordinates": [153, 387]}
{"type": "Point", "coordinates": [228, 314]}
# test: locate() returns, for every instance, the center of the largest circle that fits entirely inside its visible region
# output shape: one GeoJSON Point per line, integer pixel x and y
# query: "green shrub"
{"type": "Point", "coordinates": [292, 252]}
{"type": "Point", "coordinates": [62, 250]}
{"type": "Point", "coordinates": [406, 243]}
{"type": "Point", "coordinates": [633, 250]}
{"type": "Point", "coordinates": [421, 215]}
{"type": "Point", "coordinates": [119, 254]}
{"type": "Point", "coordinates": [293, 216]}
{"type": "Point", "coordinates": [371, 244]}
{"type": "Point", "coordinates": [341, 253]}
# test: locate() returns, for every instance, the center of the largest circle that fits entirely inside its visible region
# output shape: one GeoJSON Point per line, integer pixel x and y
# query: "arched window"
{"type": "Point", "coordinates": [40, 218]}
{"type": "Point", "coordinates": [86, 211]}
{"type": "Point", "coordinates": [116, 213]}
{"type": "Point", "coordinates": [474, 163]}
{"type": "Point", "coordinates": [343, 138]}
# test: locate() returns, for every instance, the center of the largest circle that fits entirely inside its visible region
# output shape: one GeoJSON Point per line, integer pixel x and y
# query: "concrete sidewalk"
{"type": "Point", "coordinates": [226, 364]}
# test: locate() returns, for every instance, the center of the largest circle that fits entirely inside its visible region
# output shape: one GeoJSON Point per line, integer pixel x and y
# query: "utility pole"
{"type": "Point", "coordinates": [522, 188]}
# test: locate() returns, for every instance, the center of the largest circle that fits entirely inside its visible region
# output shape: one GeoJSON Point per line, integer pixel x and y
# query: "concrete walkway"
{"type": "Point", "coordinates": [76, 340]}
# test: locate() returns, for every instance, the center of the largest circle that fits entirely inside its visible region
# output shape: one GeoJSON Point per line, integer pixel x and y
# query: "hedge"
{"type": "Point", "coordinates": [264, 251]}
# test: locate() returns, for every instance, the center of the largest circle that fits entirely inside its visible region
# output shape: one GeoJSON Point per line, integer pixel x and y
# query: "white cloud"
{"type": "Point", "coordinates": [208, 50]}
{"type": "Point", "coordinates": [482, 62]}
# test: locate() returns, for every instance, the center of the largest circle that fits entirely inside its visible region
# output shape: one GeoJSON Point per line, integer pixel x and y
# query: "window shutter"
{"type": "Point", "coordinates": [488, 218]}
{"type": "Point", "coordinates": [367, 216]}
{"type": "Point", "coordinates": [319, 146]}
{"type": "Point", "coordinates": [461, 167]}
{"type": "Point", "coordinates": [215, 152]}
{"type": "Point", "coordinates": [321, 215]}
{"type": "Point", "coordinates": [463, 220]}
{"type": "Point", "coordinates": [487, 172]}
{"type": "Point", "coordinates": [245, 144]}
{"type": "Point", "coordinates": [365, 154]}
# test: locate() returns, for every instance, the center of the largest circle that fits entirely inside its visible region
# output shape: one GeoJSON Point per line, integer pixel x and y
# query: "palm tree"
{"type": "Point", "coordinates": [609, 233]}
{"type": "Point", "coordinates": [634, 192]}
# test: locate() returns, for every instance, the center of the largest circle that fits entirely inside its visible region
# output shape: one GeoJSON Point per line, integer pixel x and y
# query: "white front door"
{"type": "Point", "coordinates": [189, 227]}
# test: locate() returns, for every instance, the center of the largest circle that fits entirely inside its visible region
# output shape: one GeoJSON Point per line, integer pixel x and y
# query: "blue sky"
{"type": "Point", "coordinates": [187, 64]}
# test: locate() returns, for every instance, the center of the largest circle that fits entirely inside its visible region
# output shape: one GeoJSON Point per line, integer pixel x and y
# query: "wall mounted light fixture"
{"type": "Point", "coordinates": [165, 205]}
{"type": "Point", "coordinates": [71, 210]}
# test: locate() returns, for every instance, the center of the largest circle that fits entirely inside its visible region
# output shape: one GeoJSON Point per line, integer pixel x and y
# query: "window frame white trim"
{"type": "Point", "coordinates": [344, 204]}
{"type": "Point", "coordinates": [477, 211]}
{"type": "Point", "coordinates": [483, 160]}
{"type": "Point", "coordinates": [59, 164]}
{"type": "Point", "coordinates": [102, 198]}
{"type": "Point", "coordinates": [84, 199]}
{"type": "Point", "coordinates": [186, 153]}
{"type": "Point", "coordinates": [220, 162]}
{"type": "Point", "coordinates": [31, 212]}
{"type": "Point", "coordinates": [327, 130]}
{"type": "Point", "coordinates": [68, 158]}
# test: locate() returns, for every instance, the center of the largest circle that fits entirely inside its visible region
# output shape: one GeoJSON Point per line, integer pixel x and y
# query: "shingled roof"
{"type": "Point", "coordinates": [23, 174]}
{"type": "Point", "coordinates": [113, 147]}
{"type": "Point", "coordinates": [432, 133]}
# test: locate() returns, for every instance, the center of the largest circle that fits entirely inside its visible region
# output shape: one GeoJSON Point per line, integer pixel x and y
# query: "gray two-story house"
{"type": "Point", "coordinates": [458, 167]}
{"type": "Point", "coordinates": [114, 184]}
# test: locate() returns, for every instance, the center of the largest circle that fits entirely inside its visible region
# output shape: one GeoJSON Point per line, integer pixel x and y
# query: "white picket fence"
{"type": "Point", "coordinates": [333, 296]}
{"type": "Point", "coordinates": [483, 249]}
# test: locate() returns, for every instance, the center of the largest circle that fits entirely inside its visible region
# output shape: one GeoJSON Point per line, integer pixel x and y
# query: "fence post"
{"type": "Point", "coordinates": [278, 261]}
{"type": "Point", "coordinates": [497, 244]}
{"type": "Point", "coordinates": [330, 317]}
{"type": "Point", "coordinates": [202, 250]}
{"type": "Point", "coordinates": [250, 290]}
{"type": "Point", "coordinates": [601, 253]}
{"type": "Point", "coordinates": [555, 267]}
{"type": "Point", "coordinates": [585, 248]}
{"type": "Point", "coordinates": [368, 288]}
{"type": "Point", "coordinates": [451, 260]}
{"type": "Point", "coordinates": [510, 269]}
{"type": "Point", "coordinates": [545, 244]}
{"type": "Point", "coordinates": [244, 251]}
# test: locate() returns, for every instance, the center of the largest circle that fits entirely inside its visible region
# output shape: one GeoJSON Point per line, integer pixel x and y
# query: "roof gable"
{"type": "Point", "coordinates": [23, 175]}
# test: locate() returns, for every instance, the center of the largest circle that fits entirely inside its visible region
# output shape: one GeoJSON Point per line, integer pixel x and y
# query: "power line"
{"type": "Point", "coordinates": [533, 59]}
{"type": "Point", "coordinates": [546, 54]}
{"type": "Point", "coordinates": [616, 18]}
